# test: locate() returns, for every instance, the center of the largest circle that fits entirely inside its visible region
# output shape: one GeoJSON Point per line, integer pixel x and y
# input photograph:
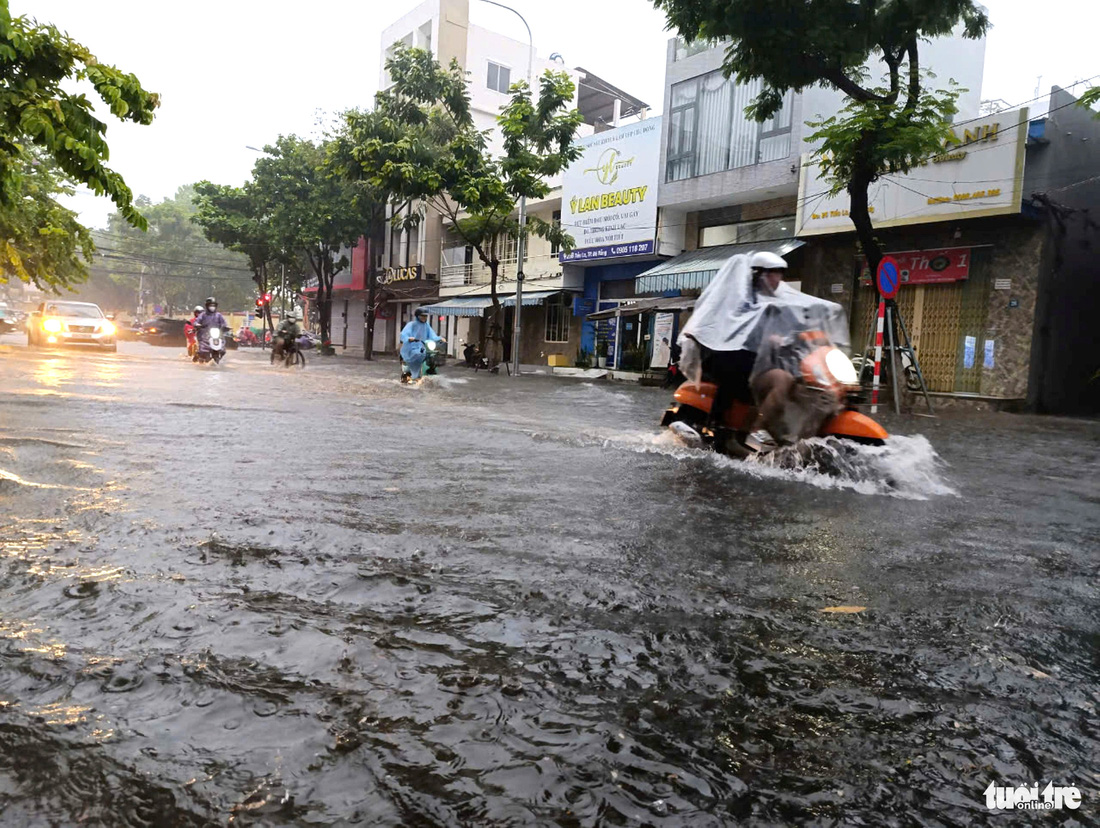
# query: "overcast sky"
{"type": "Point", "coordinates": [234, 73]}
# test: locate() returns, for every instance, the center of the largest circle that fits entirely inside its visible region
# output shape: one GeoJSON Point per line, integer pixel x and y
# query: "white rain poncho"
{"type": "Point", "coordinates": [730, 315]}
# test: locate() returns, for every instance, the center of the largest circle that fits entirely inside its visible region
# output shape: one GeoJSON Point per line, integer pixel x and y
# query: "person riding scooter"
{"type": "Point", "coordinates": [208, 319]}
{"type": "Point", "coordinates": [287, 333]}
{"type": "Point", "coordinates": [191, 332]}
{"type": "Point", "coordinates": [722, 339]}
{"type": "Point", "coordinates": [413, 351]}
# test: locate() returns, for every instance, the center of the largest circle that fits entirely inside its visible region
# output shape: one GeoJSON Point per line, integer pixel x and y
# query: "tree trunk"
{"type": "Point", "coordinates": [861, 218]}
{"type": "Point", "coordinates": [324, 310]}
{"type": "Point", "coordinates": [372, 297]}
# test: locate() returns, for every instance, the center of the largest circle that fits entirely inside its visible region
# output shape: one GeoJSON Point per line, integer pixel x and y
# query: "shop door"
{"type": "Point", "coordinates": [946, 323]}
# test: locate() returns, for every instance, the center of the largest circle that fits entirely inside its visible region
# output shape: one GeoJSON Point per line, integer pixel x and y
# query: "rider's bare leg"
{"type": "Point", "coordinates": [773, 388]}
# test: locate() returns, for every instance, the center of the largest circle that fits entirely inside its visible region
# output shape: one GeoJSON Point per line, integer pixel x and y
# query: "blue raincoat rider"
{"type": "Point", "coordinates": [413, 351]}
{"type": "Point", "coordinates": [210, 318]}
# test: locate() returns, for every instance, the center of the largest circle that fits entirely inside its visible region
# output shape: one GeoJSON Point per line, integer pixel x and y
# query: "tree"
{"type": "Point", "coordinates": [43, 243]}
{"type": "Point", "coordinates": [887, 127]}
{"type": "Point", "coordinates": [311, 211]}
{"type": "Point", "coordinates": [234, 217]}
{"type": "Point", "coordinates": [41, 239]}
{"type": "Point", "coordinates": [420, 144]}
{"type": "Point", "coordinates": [172, 260]}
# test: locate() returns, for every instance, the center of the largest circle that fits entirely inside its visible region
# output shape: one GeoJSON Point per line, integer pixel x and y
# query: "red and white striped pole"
{"type": "Point", "coordinates": [878, 355]}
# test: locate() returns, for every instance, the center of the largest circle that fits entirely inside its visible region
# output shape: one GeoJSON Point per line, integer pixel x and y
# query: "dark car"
{"type": "Point", "coordinates": [163, 331]}
{"type": "Point", "coordinates": [169, 332]}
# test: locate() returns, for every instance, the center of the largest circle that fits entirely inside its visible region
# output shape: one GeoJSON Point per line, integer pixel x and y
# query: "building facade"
{"type": "Point", "coordinates": [462, 307]}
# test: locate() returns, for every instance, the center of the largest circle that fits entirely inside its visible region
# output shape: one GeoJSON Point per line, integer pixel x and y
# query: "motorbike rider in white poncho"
{"type": "Point", "coordinates": [745, 302]}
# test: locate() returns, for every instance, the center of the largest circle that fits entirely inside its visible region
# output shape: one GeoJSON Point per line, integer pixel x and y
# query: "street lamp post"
{"type": "Point", "coordinates": [521, 243]}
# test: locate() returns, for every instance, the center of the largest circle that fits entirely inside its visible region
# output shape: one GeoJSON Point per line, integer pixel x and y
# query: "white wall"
{"type": "Point", "coordinates": [950, 58]}
{"type": "Point", "coordinates": [410, 23]}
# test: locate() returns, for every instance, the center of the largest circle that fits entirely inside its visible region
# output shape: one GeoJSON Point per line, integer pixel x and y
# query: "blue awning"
{"type": "Point", "coordinates": [695, 269]}
{"type": "Point", "coordinates": [536, 297]}
{"type": "Point", "coordinates": [477, 305]}
{"type": "Point", "coordinates": [461, 306]}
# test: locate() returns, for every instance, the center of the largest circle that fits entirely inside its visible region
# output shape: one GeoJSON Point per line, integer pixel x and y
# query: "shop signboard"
{"type": "Point", "coordinates": [400, 274]}
{"type": "Point", "coordinates": [582, 306]}
{"type": "Point", "coordinates": [609, 194]}
{"type": "Point", "coordinates": [930, 267]}
{"type": "Point", "coordinates": [979, 173]}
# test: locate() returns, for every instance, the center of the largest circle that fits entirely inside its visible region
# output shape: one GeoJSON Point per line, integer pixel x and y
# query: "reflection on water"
{"type": "Point", "coordinates": [330, 600]}
{"type": "Point", "coordinates": [54, 372]}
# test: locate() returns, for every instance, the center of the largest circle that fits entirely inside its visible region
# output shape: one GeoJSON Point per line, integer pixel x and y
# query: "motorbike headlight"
{"type": "Point", "coordinates": [108, 328]}
{"type": "Point", "coordinates": [215, 334]}
{"type": "Point", "coordinates": [430, 346]}
{"type": "Point", "coordinates": [841, 367]}
{"type": "Point", "coordinates": [52, 326]}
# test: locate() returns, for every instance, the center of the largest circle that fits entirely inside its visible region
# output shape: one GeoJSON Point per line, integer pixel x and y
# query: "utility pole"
{"type": "Point", "coordinates": [521, 245]}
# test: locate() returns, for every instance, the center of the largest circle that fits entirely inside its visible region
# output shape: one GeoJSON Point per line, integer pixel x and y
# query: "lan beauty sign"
{"type": "Point", "coordinates": [609, 194]}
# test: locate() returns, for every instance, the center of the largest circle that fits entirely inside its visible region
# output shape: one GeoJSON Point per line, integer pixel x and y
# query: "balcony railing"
{"type": "Point", "coordinates": [461, 275]}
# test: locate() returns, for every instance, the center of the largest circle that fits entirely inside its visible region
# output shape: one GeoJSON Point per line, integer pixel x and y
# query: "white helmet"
{"type": "Point", "coordinates": [292, 316]}
{"type": "Point", "coordinates": [767, 261]}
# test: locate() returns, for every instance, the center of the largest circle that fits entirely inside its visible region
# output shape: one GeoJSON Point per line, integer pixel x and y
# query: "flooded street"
{"type": "Point", "coordinates": [242, 595]}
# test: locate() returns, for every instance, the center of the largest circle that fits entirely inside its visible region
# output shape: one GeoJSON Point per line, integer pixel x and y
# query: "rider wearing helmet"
{"type": "Point", "coordinates": [413, 353]}
{"type": "Point", "coordinates": [209, 318]}
{"type": "Point", "coordinates": [768, 270]}
{"type": "Point", "coordinates": [288, 332]}
{"type": "Point", "coordinates": [190, 331]}
{"type": "Point", "coordinates": [731, 369]}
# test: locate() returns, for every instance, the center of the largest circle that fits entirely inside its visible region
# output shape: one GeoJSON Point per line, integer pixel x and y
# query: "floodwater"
{"type": "Point", "coordinates": [248, 596]}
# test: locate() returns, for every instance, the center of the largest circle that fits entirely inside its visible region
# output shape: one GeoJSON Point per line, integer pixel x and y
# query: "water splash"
{"type": "Point", "coordinates": [906, 467]}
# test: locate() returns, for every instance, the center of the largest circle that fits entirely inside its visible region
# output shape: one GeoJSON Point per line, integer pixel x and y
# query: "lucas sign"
{"type": "Point", "coordinates": [609, 194]}
{"type": "Point", "coordinates": [979, 173]}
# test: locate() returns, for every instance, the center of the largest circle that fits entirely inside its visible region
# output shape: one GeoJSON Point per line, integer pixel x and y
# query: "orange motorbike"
{"type": "Point", "coordinates": [826, 381]}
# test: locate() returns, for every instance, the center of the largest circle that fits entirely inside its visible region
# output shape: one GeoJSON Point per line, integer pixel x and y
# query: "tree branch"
{"type": "Point", "coordinates": [913, 95]}
{"type": "Point", "coordinates": [836, 76]}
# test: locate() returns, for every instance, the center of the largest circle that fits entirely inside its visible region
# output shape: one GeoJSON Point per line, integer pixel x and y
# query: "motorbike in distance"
{"type": "Point", "coordinates": [822, 401]}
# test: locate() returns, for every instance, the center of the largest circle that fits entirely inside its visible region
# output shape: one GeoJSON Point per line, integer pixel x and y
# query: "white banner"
{"type": "Point", "coordinates": [662, 340]}
{"type": "Point", "coordinates": [979, 173]}
{"type": "Point", "coordinates": [609, 194]}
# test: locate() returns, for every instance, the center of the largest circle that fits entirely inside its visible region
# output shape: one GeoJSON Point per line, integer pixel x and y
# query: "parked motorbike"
{"type": "Point", "coordinates": [211, 346]}
{"type": "Point", "coordinates": [473, 356]}
{"type": "Point", "coordinates": [865, 367]}
{"type": "Point", "coordinates": [824, 396]}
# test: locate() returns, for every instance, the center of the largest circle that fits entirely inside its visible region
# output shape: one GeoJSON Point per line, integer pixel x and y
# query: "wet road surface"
{"type": "Point", "coordinates": [247, 596]}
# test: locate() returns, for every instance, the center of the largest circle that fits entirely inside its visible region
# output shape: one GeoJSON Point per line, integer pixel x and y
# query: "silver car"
{"type": "Point", "coordinates": [70, 323]}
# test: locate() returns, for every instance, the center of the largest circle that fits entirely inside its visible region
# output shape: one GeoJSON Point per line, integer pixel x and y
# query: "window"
{"type": "Point", "coordinates": [709, 131]}
{"type": "Point", "coordinates": [747, 232]}
{"type": "Point", "coordinates": [557, 319]}
{"type": "Point", "coordinates": [684, 50]}
{"type": "Point", "coordinates": [555, 248]}
{"type": "Point", "coordinates": [499, 77]}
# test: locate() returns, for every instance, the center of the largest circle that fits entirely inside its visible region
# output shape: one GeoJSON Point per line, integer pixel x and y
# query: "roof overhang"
{"type": "Point", "coordinates": [694, 270]}
{"type": "Point", "coordinates": [596, 100]}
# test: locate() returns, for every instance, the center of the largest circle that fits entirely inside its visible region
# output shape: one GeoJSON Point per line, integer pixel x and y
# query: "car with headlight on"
{"type": "Point", "coordinates": [70, 323]}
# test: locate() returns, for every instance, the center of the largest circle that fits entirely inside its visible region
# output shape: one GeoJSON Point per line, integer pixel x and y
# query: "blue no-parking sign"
{"type": "Point", "coordinates": [889, 277]}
